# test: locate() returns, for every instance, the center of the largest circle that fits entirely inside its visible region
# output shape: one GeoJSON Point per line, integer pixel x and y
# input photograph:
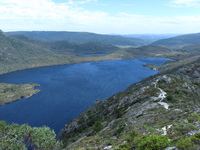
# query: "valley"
{"type": "Point", "coordinates": [163, 106]}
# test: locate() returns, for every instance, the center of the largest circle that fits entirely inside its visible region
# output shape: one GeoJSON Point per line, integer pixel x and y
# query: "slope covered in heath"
{"type": "Point", "coordinates": [73, 48]}
{"type": "Point", "coordinates": [179, 41]}
{"type": "Point", "coordinates": [17, 55]}
{"type": "Point", "coordinates": [82, 37]}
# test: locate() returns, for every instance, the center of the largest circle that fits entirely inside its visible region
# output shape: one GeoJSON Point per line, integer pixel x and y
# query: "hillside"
{"type": "Point", "coordinates": [161, 107]}
{"type": "Point", "coordinates": [150, 37]}
{"type": "Point", "coordinates": [17, 55]}
{"type": "Point", "coordinates": [72, 48]}
{"type": "Point", "coordinates": [165, 106]}
{"type": "Point", "coordinates": [20, 52]}
{"type": "Point", "coordinates": [179, 41]}
{"type": "Point", "coordinates": [82, 37]}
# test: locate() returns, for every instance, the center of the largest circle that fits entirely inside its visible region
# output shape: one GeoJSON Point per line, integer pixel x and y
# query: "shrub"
{"type": "Point", "coordinates": [196, 138]}
{"type": "Point", "coordinates": [23, 136]}
{"type": "Point", "coordinates": [169, 98]}
{"type": "Point", "coordinates": [97, 126]}
{"type": "Point", "coordinates": [119, 130]}
{"type": "Point", "coordinates": [189, 143]}
{"type": "Point", "coordinates": [184, 144]}
{"type": "Point", "coordinates": [151, 142]}
{"type": "Point", "coordinates": [184, 128]}
{"type": "Point", "coordinates": [118, 112]}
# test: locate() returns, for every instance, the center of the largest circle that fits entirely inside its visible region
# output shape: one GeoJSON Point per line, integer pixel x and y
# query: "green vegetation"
{"type": "Point", "coordinates": [179, 41]}
{"type": "Point", "coordinates": [144, 142]}
{"type": "Point", "coordinates": [82, 37]}
{"type": "Point", "coordinates": [151, 142]}
{"type": "Point", "coordinates": [23, 137]}
{"type": "Point", "coordinates": [12, 92]}
{"type": "Point", "coordinates": [138, 118]}
{"type": "Point", "coordinates": [138, 108]}
{"type": "Point", "coordinates": [97, 126]}
{"type": "Point", "coordinates": [190, 143]}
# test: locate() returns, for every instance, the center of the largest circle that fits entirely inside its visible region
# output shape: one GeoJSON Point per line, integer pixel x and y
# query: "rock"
{"type": "Point", "coordinates": [108, 147]}
{"type": "Point", "coordinates": [166, 79]}
{"type": "Point", "coordinates": [113, 138]}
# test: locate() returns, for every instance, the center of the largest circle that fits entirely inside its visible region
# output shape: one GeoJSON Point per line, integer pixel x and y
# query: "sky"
{"type": "Point", "coordinates": [101, 16]}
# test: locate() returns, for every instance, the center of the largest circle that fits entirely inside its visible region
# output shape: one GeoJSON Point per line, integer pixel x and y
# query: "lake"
{"type": "Point", "coordinates": [68, 90]}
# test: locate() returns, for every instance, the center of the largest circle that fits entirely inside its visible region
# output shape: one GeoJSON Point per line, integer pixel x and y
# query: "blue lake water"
{"type": "Point", "coordinates": [66, 91]}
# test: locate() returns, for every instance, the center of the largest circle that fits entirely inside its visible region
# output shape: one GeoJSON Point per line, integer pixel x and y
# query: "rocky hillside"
{"type": "Point", "coordinates": [163, 108]}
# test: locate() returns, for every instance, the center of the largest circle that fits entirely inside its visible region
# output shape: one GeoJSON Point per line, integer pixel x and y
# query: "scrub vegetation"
{"type": "Point", "coordinates": [160, 112]}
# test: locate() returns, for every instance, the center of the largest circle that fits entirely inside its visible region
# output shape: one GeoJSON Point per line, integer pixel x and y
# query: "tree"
{"type": "Point", "coordinates": [21, 137]}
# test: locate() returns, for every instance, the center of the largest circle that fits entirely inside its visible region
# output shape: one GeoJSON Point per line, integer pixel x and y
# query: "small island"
{"type": "Point", "coordinates": [13, 92]}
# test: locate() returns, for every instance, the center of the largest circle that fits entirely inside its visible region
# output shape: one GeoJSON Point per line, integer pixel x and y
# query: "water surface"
{"type": "Point", "coordinates": [66, 91]}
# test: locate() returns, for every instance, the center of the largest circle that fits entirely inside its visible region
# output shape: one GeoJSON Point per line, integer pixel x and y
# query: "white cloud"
{"type": "Point", "coordinates": [76, 2]}
{"type": "Point", "coordinates": [47, 15]}
{"type": "Point", "coordinates": [185, 3]}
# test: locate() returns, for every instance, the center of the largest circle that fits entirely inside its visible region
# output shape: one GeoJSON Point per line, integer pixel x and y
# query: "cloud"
{"type": "Point", "coordinates": [76, 2]}
{"type": "Point", "coordinates": [48, 15]}
{"type": "Point", "coordinates": [185, 3]}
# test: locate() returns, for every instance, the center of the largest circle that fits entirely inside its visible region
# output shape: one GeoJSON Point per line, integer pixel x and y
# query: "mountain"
{"type": "Point", "coordinates": [150, 37]}
{"type": "Point", "coordinates": [16, 54]}
{"type": "Point", "coordinates": [147, 115]}
{"type": "Point", "coordinates": [179, 41]}
{"type": "Point", "coordinates": [82, 37]}
{"type": "Point", "coordinates": [67, 47]}
{"type": "Point", "coordinates": [159, 112]}
{"type": "Point", "coordinates": [19, 52]}
{"type": "Point", "coordinates": [149, 51]}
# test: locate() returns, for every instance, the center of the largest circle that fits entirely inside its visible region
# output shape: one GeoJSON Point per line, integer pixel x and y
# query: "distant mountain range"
{"type": "Point", "coordinates": [160, 112]}
{"type": "Point", "coordinates": [150, 37]}
{"type": "Point", "coordinates": [24, 49]}
{"type": "Point", "coordinates": [179, 41]}
{"type": "Point", "coordinates": [82, 37]}
{"type": "Point", "coordinates": [19, 52]}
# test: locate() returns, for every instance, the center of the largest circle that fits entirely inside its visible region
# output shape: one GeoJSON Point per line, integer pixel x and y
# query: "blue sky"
{"type": "Point", "coordinates": [101, 16]}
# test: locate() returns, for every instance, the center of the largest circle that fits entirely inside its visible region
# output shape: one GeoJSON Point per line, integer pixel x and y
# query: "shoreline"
{"type": "Point", "coordinates": [13, 92]}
